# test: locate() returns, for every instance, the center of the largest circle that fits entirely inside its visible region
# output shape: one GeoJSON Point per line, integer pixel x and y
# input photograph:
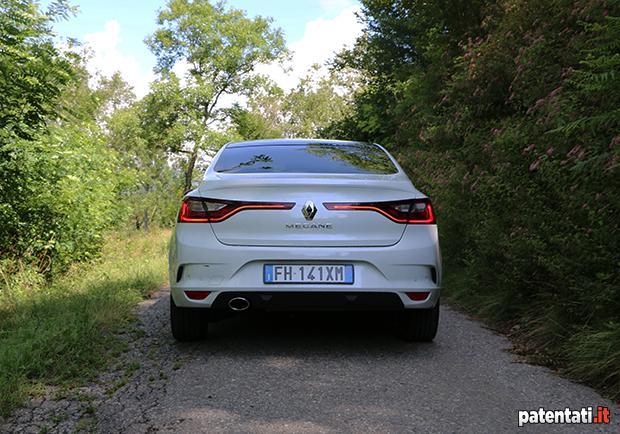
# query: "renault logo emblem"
{"type": "Point", "coordinates": [309, 210]}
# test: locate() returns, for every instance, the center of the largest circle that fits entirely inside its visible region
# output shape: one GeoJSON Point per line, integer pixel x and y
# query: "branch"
{"type": "Point", "coordinates": [210, 107]}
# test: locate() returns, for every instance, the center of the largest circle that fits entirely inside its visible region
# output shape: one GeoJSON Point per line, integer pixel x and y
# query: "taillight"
{"type": "Point", "coordinates": [201, 210]}
{"type": "Point", "coordinates": [414, 211]}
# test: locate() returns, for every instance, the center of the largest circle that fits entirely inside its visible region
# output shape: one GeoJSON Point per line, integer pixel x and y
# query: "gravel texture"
{"type": "Point", "coordinates": [309, 373]}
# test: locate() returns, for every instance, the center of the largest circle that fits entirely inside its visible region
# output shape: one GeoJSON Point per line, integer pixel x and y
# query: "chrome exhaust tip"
{"type": "Point", "coordinates": [238, 304]}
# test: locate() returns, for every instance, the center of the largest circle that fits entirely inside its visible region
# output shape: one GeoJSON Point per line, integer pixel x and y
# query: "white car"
{"type": "Point", "coordinates": [304, 225]}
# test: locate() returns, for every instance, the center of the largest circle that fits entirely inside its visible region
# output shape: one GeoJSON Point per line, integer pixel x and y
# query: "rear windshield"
{"type": "Point", "coordinates": [309, 158]}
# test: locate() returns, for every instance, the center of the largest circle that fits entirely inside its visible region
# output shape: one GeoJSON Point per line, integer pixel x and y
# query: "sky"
{"type": "Point", "coordinates": [115, 31]}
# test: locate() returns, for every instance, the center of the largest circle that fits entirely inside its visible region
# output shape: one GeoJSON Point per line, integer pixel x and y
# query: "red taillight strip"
{"type": "Point", "coordinates": [284, 205]}
{"type": "Point", "coordinates": [357, 207]}
{"type": "Point", "coordinates": [379, 207]}
{"type": "Point", "coordinates": [427, 221]}
{"type": "Point", "coordinates": [230, 208]}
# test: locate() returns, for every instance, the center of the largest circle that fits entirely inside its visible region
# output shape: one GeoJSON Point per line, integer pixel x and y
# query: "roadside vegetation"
{"type": "Point", "coordinates": [62, 332]}
{"type": "Point", "coordinates": [71, 271]}
{"type": "Point", "coordinates": [507, 113]}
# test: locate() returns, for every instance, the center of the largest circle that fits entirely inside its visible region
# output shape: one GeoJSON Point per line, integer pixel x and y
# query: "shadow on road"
{"type": "Point", "coordinates": [309, 333]}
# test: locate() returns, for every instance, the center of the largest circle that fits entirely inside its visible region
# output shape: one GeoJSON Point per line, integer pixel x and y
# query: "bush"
{"type": "Point", "coordinates": [59, 181]}
{"type": "Point", "coordinates": [510, 123]}
{"type": "Point", "coordinates": [59, 195]}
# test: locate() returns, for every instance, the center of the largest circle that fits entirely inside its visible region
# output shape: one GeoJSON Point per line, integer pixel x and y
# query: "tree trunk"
{"type": "Point", "coordinates": [190, 169]}
{"type": "Point", "coordinates": [146, 220]}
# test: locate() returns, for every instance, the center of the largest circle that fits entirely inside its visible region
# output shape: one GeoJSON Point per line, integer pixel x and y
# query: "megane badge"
{"type": "Point", "coordinates": [309, 210]}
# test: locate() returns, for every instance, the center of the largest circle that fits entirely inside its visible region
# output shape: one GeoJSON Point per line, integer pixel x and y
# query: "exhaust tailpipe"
{"type": "Point", "coordinates": [238, 304]}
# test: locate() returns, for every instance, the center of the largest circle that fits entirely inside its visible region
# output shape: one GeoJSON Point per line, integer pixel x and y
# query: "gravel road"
{"type": "Point", "coordinates": [309, 373]}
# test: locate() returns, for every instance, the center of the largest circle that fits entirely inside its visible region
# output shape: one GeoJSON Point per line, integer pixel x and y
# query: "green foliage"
{"type": "Point", "coordinates": [55, 211]}
{"type": "Point", "coordinates": [252, 124]}
{"type": "Point", "coordinates": [220, 44]}
{"type": "Point", "coordinates": [404, 56]}
{"type": "Point", "coordinates": [165, 116]}
{"type": "Point", "coordinates": [509, 120]}
{"type": "Point", "coordinates": [59, 179]}
{"type": "Point", "coordinates": [156, 188]}
{"type": "Point", "coordinates": [62, 333]}
{"type": "Point", "coordinates": [308, 110]}
{"type": "Point", "coordinates": [32, 71]}
{"type": "Point", "coordinates": [75, 161]}
{"type": "Point", "coordinates": [317, 101]}
{"type": "Point", "coordinates": [221, 48]}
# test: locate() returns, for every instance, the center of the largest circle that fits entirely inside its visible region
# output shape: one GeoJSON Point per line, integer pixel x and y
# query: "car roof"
{"type": "Point", "coordinates": [285, 142]}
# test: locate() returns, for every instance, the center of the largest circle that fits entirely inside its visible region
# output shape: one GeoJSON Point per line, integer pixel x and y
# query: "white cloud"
{"type": "Point", "coordinates": [107, 58]}
{"type": "Point", "coordinates": [321, 40]}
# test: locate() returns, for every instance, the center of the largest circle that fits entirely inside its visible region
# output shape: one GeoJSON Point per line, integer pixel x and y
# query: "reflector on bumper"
{"type": "Point", "coordinates": [418, 296]}
{"type": "Point", "coordinates": [197, 295]}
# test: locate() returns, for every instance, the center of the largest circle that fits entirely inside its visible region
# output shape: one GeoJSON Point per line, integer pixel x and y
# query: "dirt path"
{"type": "Point", "coordinates": [310, 373]}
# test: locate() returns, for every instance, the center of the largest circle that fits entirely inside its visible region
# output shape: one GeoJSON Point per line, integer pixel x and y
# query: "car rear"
{"type": "Point", "coordinates": [303, 225]}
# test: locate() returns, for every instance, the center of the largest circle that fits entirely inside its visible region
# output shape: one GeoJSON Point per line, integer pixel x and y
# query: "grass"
{"type": "Point", "coordinates": [63, 332]}
{"type": "Point", "coordinates": [588, 354]}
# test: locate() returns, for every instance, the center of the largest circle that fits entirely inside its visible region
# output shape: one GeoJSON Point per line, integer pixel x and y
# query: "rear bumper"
{"type": "Point", "coordinates": [198, 261]}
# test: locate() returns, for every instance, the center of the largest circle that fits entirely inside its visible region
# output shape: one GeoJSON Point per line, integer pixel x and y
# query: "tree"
{"type": "Point", "coordinates": [318, 101]}
{"type": "Point", "coordinates": [154, 194]}
{"type": "Point", "coordinates": [220, 48]}
{"type": "Point", "coordinates": [33, 72]}
{"type": "Point", "coordinates": [506, 114]}
{"type": "Point", "coordinates": [59, 180]}
{"type": "Point", "coordinates": [113, 93]}
{"type": "Point", "coordinates": [252, 124]}
{"type": "Point", "coordinates": [404, 55]}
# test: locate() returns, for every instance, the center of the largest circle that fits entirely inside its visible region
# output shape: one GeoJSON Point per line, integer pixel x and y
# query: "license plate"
{"type": "Point", "coordinates": [286, 273]}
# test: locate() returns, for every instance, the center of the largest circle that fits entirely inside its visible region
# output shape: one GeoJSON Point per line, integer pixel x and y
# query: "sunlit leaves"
{"type": "Point", "coordinates": [59, 181]}
{"type": "Point", "coordinates": [219, 47]}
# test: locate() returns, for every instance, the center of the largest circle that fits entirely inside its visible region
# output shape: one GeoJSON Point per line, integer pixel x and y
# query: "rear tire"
{"type": "Point", "coordinates": [187, 323]}
{"type": "Point", "coordinates": [419, 325]}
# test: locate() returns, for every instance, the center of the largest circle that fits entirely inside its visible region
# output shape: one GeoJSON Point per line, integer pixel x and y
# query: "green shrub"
{"type": "Point", "coordinates": [509, 120]}
{"type": "Point", "coordinates": [63, 195]}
